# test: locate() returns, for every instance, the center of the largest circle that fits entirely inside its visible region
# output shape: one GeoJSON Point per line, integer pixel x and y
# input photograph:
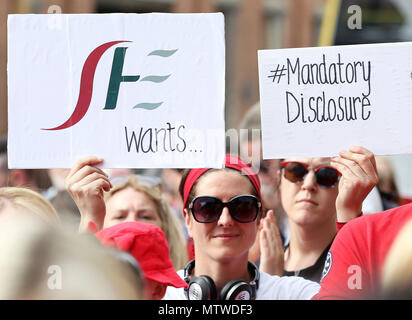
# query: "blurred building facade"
{"type": "Point", "coordinates": [250, 25]}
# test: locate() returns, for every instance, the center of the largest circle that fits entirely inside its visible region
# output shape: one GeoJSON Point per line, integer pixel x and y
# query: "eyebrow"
{"type": "Point", "coordinates": [143, 210]}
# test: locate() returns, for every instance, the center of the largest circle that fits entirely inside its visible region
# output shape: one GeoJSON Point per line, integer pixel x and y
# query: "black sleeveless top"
{"type": "Point", "coordinates": [313, 272]}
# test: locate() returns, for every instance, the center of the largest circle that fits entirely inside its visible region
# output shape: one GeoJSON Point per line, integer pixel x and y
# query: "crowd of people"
{"type": "Point", "coordinates": [294, 228]}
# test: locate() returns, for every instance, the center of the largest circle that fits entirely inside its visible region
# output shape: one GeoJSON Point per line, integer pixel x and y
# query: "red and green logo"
{"type": "Point", "coordinates": [116, 78]}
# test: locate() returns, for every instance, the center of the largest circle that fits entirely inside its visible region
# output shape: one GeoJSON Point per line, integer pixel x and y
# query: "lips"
{"type": "Point", "coordinates": [226, 236]}
{"type": "Point", "coordinates": [308, 201]}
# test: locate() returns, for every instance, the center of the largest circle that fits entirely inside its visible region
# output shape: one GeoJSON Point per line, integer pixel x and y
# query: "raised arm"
{"type": "Point", "coordinates": [86, 183]}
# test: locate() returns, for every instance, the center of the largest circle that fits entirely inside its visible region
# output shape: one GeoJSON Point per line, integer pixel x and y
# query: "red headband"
{"type": "Point", "coordinates": [231, 162]}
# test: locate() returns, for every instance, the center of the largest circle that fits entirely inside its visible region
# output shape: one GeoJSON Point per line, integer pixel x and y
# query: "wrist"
{"type": "Point", "coordinates": [346, 215]}
{"type": "Point", "coordinates": [86, 220]}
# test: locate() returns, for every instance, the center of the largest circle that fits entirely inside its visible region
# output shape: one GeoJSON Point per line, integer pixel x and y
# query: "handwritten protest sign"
{"type": "Point", "coordinates": [138, 90]}
{"type": "Point", "coordinates": [318, 101]}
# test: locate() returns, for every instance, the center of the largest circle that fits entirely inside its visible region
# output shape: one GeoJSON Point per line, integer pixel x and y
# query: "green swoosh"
{"type": "Point", "coordinates": [156, 79]}
{"type": "Point", "coordinates": [162, 53]}
{"type": "Point", "coordinates": [147, 105]}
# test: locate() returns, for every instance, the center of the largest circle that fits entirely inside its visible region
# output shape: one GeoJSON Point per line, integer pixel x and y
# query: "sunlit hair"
{"type": "Point", "coordinates": [40, 262]}
{"type": "Point", "coordinates": [170, 224]}
{"type": "Point", "coordinates": [29, 201]}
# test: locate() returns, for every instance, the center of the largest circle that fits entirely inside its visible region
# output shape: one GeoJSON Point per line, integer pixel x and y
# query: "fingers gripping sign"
{"type": "Point", "coordinates": [359, 176]}
{"type": "Point", "coordinates": [86, 184]}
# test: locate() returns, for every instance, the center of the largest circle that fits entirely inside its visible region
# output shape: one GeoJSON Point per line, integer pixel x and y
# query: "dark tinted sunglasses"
{"type": "Point", "coordinates": [326, 176]}
{"type": "Point", "coordinates": [243, 208]}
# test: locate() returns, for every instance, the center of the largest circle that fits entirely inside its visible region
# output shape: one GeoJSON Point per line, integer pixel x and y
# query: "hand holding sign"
{"type": "Point", "coordinates": [86, 183]}
{"type": "Point", "coordinates": [359, 176]}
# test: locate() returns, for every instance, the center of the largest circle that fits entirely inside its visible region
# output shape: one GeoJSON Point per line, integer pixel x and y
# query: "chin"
{"type": "Point", "coordinates": [228, 254]}
{"type": "Point", "coordinates": [305, 218]}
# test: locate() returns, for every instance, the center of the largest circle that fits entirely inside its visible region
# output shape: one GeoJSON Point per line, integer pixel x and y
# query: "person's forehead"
{"type": "Point", "coordinates": [230, 181]}
{"type": "Point", "coordinates": [128, 195]}
{"type": "Point", "coordinates": [310, 161]}
{"type": "Point", "coordinates": [224, 175]}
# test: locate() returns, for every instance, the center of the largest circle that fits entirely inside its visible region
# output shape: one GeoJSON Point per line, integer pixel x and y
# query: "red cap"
{"type": "Point", "coordinates": [148, 244]}
{"type": "Point", "coordinates": [231, 162]}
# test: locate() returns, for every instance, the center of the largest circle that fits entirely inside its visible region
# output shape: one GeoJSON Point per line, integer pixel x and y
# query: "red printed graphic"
{"type": "Point", "coordinates": [86, 85]}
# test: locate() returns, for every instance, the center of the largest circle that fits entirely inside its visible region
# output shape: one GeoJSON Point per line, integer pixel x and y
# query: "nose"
{"type": "Point", "coordinates": [309, 182]}
{"type": "Point", "coordinates": [131, 217]}
{"type": "Point", "coordinates": [225, 219]}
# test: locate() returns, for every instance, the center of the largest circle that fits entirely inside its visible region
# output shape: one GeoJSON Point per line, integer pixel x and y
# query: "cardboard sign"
{"type": "Point", "coordinates": [316, 102]}
{"type": "Point", "coordinates": [138, 90]}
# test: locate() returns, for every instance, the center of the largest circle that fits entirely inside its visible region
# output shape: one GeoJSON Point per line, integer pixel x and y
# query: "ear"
{"type": "Point", "coordinates": [188, 221]}
{"type": "Point", "coordinates": [279, 178]}
{"type": "Point", "coordinates": [260, 221]}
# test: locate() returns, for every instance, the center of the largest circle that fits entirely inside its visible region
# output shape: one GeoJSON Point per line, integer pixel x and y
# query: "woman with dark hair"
{"type": "Point", "coordinates": [222, 210]}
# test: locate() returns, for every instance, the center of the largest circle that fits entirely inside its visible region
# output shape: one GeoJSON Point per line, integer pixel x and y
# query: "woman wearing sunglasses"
{"type": "Point", "coordinates": [319, 195]}
{"type": "Point", "coordinates": [222, 209]}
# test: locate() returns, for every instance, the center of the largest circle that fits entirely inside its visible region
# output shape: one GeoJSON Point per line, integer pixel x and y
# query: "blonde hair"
{"type": "Point", "coordinates": [38, 261]}
{"type": "Point", "coordinates": [396, 272]}
{"type": "Point", "coordinates": [29, 200]}
{"type": "Point", "coordinates": [170, 224]}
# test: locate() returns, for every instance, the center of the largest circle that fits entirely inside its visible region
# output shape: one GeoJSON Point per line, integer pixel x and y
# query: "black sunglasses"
{"type": "Point", "coordinates": [326, 176]}
{"type": "Point", "coordinates": [242, 208]}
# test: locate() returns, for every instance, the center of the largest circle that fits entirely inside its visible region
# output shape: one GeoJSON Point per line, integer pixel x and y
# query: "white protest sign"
{"type": "Point", "coordinates": [316, 102]}
{"type": "Point", "coordinates": [138, 90]}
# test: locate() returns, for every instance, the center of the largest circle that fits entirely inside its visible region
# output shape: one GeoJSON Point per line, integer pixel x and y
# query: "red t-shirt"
{"type": "Point", "coordinates": [354, 263]}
